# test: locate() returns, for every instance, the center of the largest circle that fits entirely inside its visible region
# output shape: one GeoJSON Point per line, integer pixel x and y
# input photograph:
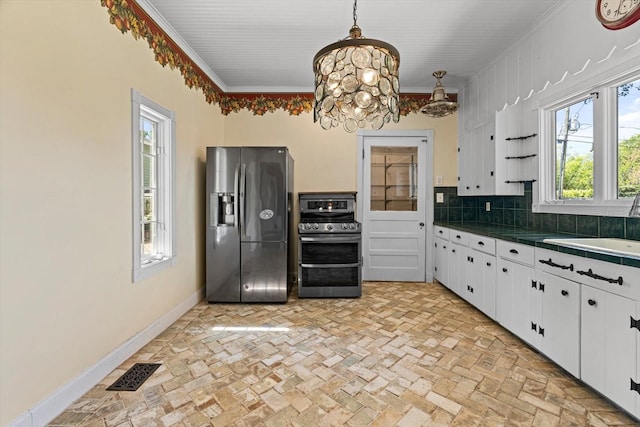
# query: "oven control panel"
{"type": "Point", "coordinates": [329, 227]}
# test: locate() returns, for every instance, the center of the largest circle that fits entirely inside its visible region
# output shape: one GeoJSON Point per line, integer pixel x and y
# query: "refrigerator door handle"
{"type": "Point", "coordinates": [236, 198]}
{"type": "Point", "coordinates": [243, 189]}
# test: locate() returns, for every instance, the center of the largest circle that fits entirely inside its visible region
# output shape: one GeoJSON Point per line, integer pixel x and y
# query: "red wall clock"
{"type": "Point", "coordinates": [617, 14]}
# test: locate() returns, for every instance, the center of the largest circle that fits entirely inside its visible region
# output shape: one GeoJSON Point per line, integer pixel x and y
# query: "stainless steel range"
{"type": "Point", "coordinates": [330, 249]}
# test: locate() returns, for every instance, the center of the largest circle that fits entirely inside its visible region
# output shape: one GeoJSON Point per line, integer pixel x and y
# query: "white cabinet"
{"type": "Point", "coordinates": [441, 268]}
{"type": "Point", "coordinates": [515, 277]}
{"type": "Point", "coordinates": [496, 156]}
{"type": "Point", "coordinates": [475, 162]}
{"type": "Point", "coordinates": [512, 302]}
{"type": "Point", "coordinates": [609, 350]}
{"type": "Point", "coordinates": [457, 270]}
{"type": "Point", "coordinates": [608, 306]}
{"type": "Point", "coordinates": [559, 325]}
{"type": "Point", "coordinates": [480, 287]}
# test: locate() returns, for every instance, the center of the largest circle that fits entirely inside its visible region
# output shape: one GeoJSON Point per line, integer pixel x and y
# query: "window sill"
{"type": "Point", "coordinates": [148, 270]}
{"type": "Point", "coordinates": [619, 209]}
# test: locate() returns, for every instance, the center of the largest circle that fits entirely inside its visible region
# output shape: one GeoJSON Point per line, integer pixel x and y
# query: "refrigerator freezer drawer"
{"type": "Point", "coordinates": [264, 272]}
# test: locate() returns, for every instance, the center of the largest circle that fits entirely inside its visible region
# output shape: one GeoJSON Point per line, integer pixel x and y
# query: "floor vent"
{"type": "Point", "coordinates": [134, 377]}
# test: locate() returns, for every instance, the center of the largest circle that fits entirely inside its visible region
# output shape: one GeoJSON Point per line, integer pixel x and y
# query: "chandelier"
{"type": "Point", "coordinates": [356, 82]}
{"type": "Point", "coordinates": [439, 104]}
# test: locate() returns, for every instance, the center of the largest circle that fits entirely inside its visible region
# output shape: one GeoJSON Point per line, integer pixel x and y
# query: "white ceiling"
{"type": "Point", "coordinates": [269, 45]}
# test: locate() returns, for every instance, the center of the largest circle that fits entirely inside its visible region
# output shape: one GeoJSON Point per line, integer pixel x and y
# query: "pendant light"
{"type": "Point", "coordinates": [439, 104]}
{"type": "Point", "coordinates": [356, 82]}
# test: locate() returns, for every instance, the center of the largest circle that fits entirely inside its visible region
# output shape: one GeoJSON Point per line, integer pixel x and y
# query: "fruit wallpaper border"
{"type": "Point", "coordinates": [129, 17]}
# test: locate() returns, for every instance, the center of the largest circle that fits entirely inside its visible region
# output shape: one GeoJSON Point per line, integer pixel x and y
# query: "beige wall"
{"type": "Point", "coordinates": [326, 160]}
{"type": "Point", "coordinates": [67, 299]}
{"type": "Point", "coordinates": [66, 296]}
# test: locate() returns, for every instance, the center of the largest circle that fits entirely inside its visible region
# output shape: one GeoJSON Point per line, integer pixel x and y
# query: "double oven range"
{"type": "Point", "coordinates": [330, 246]}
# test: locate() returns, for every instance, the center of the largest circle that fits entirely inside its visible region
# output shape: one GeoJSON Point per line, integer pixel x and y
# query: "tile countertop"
{"type": "Point", "coordinates": [534, 237]}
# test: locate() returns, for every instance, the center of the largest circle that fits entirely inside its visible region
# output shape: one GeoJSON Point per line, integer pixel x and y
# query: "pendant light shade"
{"type": "Point", "coordinates": [439, 104]}
{"type": "Point", "coordinates": [356, 82]}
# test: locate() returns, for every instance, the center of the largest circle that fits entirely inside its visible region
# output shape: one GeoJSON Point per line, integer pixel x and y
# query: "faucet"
{"type": "Point", "coordinates": [635, 207]}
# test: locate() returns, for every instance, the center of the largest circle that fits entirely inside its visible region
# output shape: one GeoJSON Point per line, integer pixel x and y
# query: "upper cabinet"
{"type": "Point", "coordinates": [499, 105]}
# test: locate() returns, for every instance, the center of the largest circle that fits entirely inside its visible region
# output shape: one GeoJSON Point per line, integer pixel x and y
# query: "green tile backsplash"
{"type": "Point", "coordinates": [515, 211]}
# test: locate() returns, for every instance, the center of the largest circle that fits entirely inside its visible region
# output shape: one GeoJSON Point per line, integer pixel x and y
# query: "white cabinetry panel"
{"type": "Point", "coordinates": [608, 349]}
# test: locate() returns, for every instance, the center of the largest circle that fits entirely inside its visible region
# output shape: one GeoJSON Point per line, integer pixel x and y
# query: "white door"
{"type": "Point", "coordinates": [394, 202]}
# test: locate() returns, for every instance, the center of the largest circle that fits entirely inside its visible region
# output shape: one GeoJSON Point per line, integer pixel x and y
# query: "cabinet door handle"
{"type": "Point", "coordinates": [635, 323]}
{"type": "Point", "coordinates": [440, 231]}
{"type": "Point", "coordinates": [504, 270]}
{"type": "Point", "coordinates": [488, 264]}
{"type": "Point", "coordinates": [513, 251]}
{"type": "Point", "coordinates": [593, 275]}
{"type": "Point", "coordinates": [453, 250]}
{"type": "Point", "coordinates": [458, 236]}
{"type": "Point", "coordinates": [553, 264]}
{"type": "Point", "coordinates": [541, 331]}
{"type": "Point", "coordinates": [564, 293]}
{"type": "Point", "coordinates": [591, 302]}
{"type": "Point", "coordinates": [635, 386]}
{"type": "Point", "coordinates": [534, 326]}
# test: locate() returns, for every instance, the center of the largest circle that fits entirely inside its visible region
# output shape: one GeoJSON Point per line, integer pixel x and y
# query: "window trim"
{"type": "Point", "coordinates": [165, 183]}
{"type": "Point", "coordinates": [605, 176]}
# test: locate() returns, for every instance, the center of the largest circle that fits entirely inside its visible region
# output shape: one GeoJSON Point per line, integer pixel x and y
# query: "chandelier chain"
{"type": "Point", "coordinates": [355, 16]}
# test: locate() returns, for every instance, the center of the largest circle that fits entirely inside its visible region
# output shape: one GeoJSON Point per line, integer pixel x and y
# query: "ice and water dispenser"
{"type": "Point", "coordinates": [224, 214]}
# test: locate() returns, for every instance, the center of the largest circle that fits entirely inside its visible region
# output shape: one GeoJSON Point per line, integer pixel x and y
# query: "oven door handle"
{"type": "Point", "coordinates": [356, 264]}
{"type": "Point", "coordinates": [328, 239]}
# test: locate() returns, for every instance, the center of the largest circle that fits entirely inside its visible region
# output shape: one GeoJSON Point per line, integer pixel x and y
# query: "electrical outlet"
{"type": "Point", "coordinates": [487, 206]}
{"type": "Point", "coordinates": [439, 197]}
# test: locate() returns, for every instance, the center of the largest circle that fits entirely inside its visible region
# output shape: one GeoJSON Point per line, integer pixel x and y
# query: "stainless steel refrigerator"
{"type": "Point", "coordinates": [249, 207]}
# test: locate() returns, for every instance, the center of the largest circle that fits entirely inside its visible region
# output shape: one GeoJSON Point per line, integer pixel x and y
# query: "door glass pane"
{"type": "Point", "coordinates": [393, 178]}
{"type": "Point", "coordinates": [629, 139]}
{"type": "Point", "coordinates": [574, 151]}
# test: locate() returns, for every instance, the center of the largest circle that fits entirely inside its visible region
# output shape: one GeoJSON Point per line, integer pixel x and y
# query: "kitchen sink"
{"type": "Point", "coordinates": [609, 245]}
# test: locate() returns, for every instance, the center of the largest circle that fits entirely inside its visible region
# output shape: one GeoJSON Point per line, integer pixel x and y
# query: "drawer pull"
{"type": "Point", "coordinates": [458, 236]}
{"type": "Point", "coordinates": [564, 293]}
{"type": "Point", "coordinates": [591, 302]}
{"type": "Point", "coordinates": [553, 264]}
{"type": "Point", "coordinates": [480, 243]}
{"type": "Point", "coordinates": [635, 323]}
{"type": "Point", "coordinates": [504, 270]}
{"type": "Point", "coordinates": [513, 251]}
{"type": "Point", "coordinates": [593, 275]}
{"type": "Point", "coordinates": [440, 231]}
{"type": "Point", "coordinates": [488, 264]}
{"type": "Point", "coordinates": [635, 386]}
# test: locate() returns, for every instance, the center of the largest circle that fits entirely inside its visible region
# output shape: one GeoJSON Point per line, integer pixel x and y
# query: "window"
{"type": "Point", "coordinates": [393, 178]}
{"type": "Point", "coordinates": [153, 148]}
{"type": "Point", "coordinates": [591, 151]}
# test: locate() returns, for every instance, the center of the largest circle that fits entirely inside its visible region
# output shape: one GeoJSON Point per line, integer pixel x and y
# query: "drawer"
{"type": "Point", "coordinates": [482, 244]}
{"type": "Point", "coordinates": [459, 237]}
{"type": "Point", "coordinates": [556, 263]}
{"type": "Point", "coordinates": [516, 252]}
{"type": "Point", "coordinates": [441, 232]}
{"type": "Point", "coordinates": [618, 279]}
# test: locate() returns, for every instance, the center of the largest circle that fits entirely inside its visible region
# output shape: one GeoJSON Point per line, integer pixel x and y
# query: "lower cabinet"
{"type": "Point", "coordinates": [513, 295]}
{"type": "Point", "coordinates": [558, 327]}
{"type": "Point", "coordinates": [480, 287]}
{"type": "Point", "coordinates": [457, 271]}
{"type": "Point", "coordinates": [584, 314]}
{"type": "Point", "coordinates": [609, 350]}
{"type": "Point", "coordinates": [441, 269]}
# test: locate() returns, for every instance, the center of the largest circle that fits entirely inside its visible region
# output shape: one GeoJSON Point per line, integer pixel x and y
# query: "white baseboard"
{"type": "Point", "coordinates": [49, 408]}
